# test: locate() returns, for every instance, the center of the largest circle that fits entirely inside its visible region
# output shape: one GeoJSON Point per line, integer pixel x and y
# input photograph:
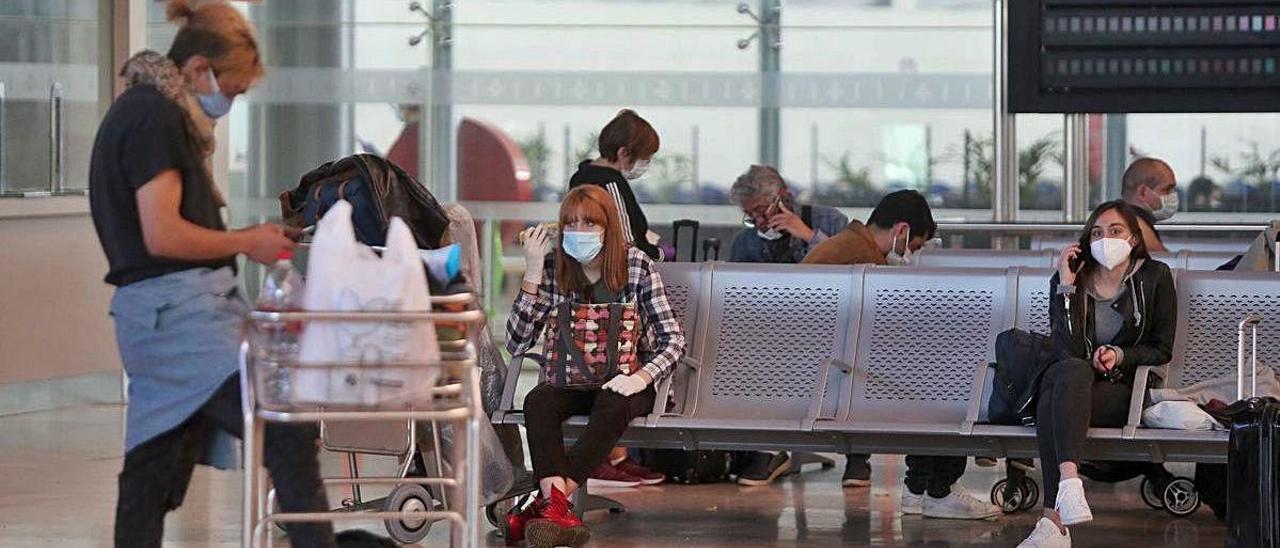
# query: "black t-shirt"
{"type": "Point", "coordinates": [635, 225]}
{"type": "Point", "coordinates": [142, 135]}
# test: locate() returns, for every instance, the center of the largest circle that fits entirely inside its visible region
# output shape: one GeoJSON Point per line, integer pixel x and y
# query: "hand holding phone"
{"type": "Point", "coordinates": [1069, 263]}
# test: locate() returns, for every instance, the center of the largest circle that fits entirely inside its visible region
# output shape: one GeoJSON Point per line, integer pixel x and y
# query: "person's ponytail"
{"type": "Point", "coordinates": [218, 32]}
{"type": "Point", "coordinates": [179, 11]}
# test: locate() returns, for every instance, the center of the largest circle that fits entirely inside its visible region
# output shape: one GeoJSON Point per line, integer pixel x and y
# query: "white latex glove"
{"type": "Point", "coordinates": [537, 243]}
{"type": "Point", "coordinates": [626, 385]}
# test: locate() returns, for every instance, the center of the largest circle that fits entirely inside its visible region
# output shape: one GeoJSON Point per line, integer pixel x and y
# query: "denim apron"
{"type": "Point", "coordinates": [179, 337]}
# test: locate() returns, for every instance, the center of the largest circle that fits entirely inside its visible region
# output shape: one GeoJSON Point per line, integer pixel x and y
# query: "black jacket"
{"type": "Point", "coordinates": [635, 227]}
{"type": "Point", "coordinates": [1149, 304]}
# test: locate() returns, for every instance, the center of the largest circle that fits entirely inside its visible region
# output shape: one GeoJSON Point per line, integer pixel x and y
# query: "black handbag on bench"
{"type": "Point", "coordinates": [1021, 359]}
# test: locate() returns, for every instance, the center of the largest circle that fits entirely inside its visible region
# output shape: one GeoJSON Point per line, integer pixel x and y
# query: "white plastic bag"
{"type": "Point", "coordinates": [345, 275]}
{"type": "Point", "coordinates": [1178, 415]}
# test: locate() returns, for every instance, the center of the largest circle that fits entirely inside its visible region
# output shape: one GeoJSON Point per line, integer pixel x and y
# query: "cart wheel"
{"type": "Point", "coordinates": [408, 497]}
{"type": "Point", "coordinates": [1030, 493]}
{"type": "Point", "coordinates": [1181, 497]}
{"type": "Point", "coordinates": [497, 512]}
{"type": "Point", "coordinates": [1010, 505]}
{"type": "Point", "coordinates": [1151, 493]}
{"type": "Point", "coordinates": [491, 515]}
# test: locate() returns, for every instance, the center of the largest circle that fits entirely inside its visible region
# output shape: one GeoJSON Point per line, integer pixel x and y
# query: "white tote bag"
{"type": "Point", "coordinates": [1178, 415]}
{"type": "Point", "coordinates": [345, 275]}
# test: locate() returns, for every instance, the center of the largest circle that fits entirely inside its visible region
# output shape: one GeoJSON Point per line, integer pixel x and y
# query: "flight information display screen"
{"type": "Point", "coordinates": [1155, 56]}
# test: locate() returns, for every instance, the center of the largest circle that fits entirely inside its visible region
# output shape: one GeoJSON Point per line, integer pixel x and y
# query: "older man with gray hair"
{"type": "Point", "coordinates": [777, 229]}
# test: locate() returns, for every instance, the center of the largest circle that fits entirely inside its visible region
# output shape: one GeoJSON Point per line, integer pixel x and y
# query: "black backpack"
{"type": "Point", "coordinates": [688, 467]}
{"type": "Point", "coordinates": [377, 190]}
{"type": "Point", "coordinates": [1021, 359]}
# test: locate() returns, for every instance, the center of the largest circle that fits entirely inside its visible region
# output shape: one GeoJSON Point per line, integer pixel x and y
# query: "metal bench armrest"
{"type": "Point", "coordinates": [820, 391]}
{"type": "Point", "coordinates": [507, 404]}
{"type": "Point", "coordinates": [976, 402]}
{"type": "Point", "coordinates": [1138, 398]}
{"type": "Point", "coordinates": [686, 366]}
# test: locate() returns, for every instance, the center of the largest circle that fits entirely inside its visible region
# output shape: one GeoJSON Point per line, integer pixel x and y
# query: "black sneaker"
{"type": "Point", "coordinates": [764, 468]}
{"type": "Point", "coordinates": [857, 471]}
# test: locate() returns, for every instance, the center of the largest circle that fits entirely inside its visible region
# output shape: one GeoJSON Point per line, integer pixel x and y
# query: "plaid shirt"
{"type": "Point", "coordinates": [662, 344]}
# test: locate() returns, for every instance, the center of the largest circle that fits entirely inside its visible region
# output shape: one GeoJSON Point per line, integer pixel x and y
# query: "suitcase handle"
{"type": "Point", "coordinates": [1252, 321]}
{"type": "Point", "coordinates": [710, 244]}
{"type": "Point", "coordinates": [675, 239]}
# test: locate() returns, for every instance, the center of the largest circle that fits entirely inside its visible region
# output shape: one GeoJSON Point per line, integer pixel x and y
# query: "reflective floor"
{"type": "Point", "coordinates": [57, 479]}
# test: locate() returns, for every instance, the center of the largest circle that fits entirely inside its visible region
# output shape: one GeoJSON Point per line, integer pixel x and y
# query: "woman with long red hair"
{"type": "Point", "coordinates": [610, 334]}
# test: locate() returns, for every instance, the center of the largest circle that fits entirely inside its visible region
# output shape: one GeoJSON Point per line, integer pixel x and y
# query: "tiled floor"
{"type": "Point", "coordinates": [57, 476]}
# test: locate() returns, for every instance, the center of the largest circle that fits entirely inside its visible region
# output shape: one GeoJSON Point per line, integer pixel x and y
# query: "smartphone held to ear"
{"type": "Point", "coordinates": [1075, 263]}
{"type": "Point", "coordinates": [553, 232]}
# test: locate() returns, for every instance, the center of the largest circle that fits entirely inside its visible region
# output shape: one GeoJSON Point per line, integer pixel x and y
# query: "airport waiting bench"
{"type": "Point", "coordinates": [984, 258]}
{"type": "Point", "coordinates": [861, 359]}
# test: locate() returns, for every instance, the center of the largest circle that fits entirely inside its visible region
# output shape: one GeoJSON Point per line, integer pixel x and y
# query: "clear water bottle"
{"type": "Point", "coordinates": [278, 342]}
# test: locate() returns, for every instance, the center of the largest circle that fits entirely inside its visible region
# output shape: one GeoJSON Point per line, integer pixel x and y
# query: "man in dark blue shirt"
{"type": "Point", "coordinates": [777, 229]}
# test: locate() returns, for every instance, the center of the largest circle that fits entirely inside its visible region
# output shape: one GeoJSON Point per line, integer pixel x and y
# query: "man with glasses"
{"type": "Point", "coordinates": [777, 230]}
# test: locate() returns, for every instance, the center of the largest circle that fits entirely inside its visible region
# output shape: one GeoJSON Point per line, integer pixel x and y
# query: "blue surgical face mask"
{"type": "Point", "coordinates": [215, 105]}
{"type": "Point", "coordinates": [582, 246]}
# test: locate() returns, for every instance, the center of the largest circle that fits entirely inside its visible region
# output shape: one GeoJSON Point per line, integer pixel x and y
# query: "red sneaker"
{"type": "Point", "coordinates": [647, 476]}
{"type": "Point", "coordinates": [608, 475]}
{"type": "Point", "coordinates": [517, 520]}
{"type": "Point", "coordinates": [556, 524]}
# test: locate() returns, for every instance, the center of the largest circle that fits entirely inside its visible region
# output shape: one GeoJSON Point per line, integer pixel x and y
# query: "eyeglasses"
{"type": "Point", "coordinates": [749, 221]}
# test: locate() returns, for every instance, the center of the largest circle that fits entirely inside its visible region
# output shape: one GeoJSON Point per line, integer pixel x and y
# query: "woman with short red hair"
{"type": "Point", "coordinates": [610, 334]}
{"type": "Point", "coordinates": [627, 144]}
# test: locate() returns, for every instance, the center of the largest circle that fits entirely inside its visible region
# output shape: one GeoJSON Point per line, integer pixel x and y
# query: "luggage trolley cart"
{"type": "Point", "coordinates": [454, 398]}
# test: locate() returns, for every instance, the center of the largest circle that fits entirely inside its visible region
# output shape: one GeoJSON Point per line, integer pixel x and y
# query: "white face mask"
{"type": "Point", "coordinates": [1168, 206]}
{"type": "Point", "coordinates": [771, 234]}
{"type": "Point", "coordinates": [1110, 252]}
{"type": "Point", "coordinates": [637, 170]}
{"type": "Point", "coordinates": [906, 258]}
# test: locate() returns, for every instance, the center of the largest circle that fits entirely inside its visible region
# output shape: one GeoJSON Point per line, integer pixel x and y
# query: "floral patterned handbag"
{"type": "Point", "coordinates": [588, 344]}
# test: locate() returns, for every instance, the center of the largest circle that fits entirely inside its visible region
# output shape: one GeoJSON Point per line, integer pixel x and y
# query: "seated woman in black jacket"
{"type": "Point", "coordinates": [1112, 308]}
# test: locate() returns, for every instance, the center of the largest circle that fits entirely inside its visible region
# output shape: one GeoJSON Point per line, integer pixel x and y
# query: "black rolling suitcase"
{"type": "Point", "coordinates": [1253, 453]}
{"type": "Point", "coordinates": [708, 245]}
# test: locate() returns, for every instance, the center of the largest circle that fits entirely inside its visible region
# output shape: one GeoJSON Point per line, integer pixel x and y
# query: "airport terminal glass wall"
{"type": "Point", "coordinates": [879, 96]}
{"type": "Point", "coordinates": [1227, 165]}
{"type": "Point", "coordinates": [44, 43]}
{"type": "Point", "coordinates": [498, 100]}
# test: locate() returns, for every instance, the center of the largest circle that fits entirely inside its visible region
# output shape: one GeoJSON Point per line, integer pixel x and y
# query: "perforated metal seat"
{"type": "Point", "coordinates": [768, 330]}
{"type": "Point", "coordinates": [921, 334]}
{"type": "Point", "coordinates": [1211, 305]}
{"type": "Point", "coordinates": [984, 258]}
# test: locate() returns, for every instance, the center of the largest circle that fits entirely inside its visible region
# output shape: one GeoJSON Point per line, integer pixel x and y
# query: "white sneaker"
{"type": "Point", "coordinates": [1047, 535]}
{"type": "Point", "coordinates": [1071, 504]}
{"type": "Point", "coordinates": [959, 505]}
{"type": "Point", "coordinates": [912, 504]}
